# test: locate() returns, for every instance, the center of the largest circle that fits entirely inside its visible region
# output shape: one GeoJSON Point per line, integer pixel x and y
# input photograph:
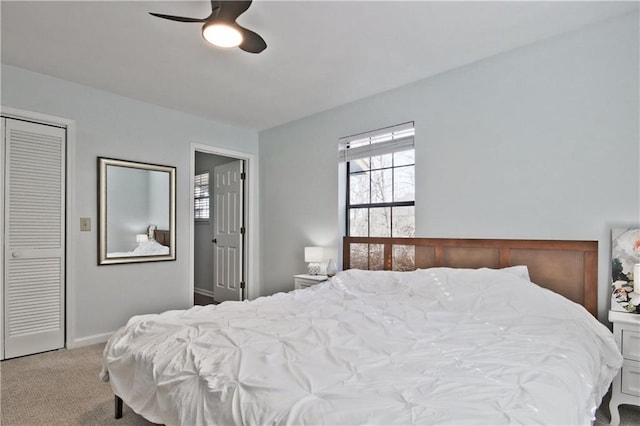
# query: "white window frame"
{"type": "Point", "coordinates": [374, 143]}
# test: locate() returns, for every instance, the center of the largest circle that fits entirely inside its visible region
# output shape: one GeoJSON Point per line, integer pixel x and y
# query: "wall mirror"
{"type": "Point", "coordinates": [137, 212]}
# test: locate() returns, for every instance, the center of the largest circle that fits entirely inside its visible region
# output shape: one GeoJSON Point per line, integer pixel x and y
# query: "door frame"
{"type": "Point", "coordinates": [251, 259]}
{"type": "Point", "coordinates": [70, 214]}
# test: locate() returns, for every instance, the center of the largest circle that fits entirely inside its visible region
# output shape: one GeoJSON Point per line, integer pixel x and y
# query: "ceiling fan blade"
{"type": "Point", "coordinates": [230, 10]}
{"type": "Point", "coordinates": [251, 42]}
{"type": "Point", "coordinates": [177, 18]}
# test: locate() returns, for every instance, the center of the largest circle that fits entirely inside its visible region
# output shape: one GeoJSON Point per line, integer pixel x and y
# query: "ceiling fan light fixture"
{"type": "Point", "coordinates": [222, 34]}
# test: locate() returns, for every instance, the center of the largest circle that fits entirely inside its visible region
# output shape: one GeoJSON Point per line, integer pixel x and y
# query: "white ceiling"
{"type": "Point", "coordinates": [320, 54]}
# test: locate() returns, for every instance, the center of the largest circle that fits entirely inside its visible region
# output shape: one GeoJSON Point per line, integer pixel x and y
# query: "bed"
{"type": "Point", "coordinates": [163, 237]}
{"type": "Point", "coordinates": [157, 244]}
{"type": "Point", "coordinates": [448, 331]}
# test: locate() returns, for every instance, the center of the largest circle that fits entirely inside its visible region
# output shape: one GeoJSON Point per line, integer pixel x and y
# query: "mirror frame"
{"type": "Point", "coordinates": [103, 163]}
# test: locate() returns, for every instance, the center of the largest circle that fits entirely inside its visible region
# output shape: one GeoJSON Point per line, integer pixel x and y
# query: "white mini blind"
{"type": "Point", "coordinates": [201, 196]}
{"type": "Point", "coordinates": [377, 142]}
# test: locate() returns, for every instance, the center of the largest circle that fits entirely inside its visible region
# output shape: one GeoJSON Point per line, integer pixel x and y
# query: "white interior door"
{"type": "Point", "coordinates": [228, 238]}
{"type": "Point", "coordinates": [34, 228]}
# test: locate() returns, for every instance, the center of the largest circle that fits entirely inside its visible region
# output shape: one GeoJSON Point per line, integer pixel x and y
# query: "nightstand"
{"type": "Point", "coordinates": [626, 385]}
{"type": "Point", "coordinates": [306, 280]}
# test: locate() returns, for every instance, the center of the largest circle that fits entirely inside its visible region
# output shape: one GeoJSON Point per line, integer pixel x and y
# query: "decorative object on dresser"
{"type": "Point", "coordinates": [306, 280]}
{"type": "Point", "coordinates": [626, 385]}
{"type": "Point", "coordinates": [331, 268]}
{"type": "Point", "coordinates": [313, 256]}
{"type": "Point", "coordinates": [625, 255]}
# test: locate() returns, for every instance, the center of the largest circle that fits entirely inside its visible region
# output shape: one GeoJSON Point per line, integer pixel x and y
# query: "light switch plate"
{"type": "Point", "coordinates": [85, 224]}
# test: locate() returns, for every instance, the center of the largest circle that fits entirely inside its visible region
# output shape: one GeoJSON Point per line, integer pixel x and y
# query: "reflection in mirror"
{"type": "Point", "coordinates": [137, 212]}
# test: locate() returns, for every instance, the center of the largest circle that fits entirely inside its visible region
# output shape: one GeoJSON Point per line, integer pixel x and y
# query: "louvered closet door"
{"type": "Point", "coordinates": [34, 238]}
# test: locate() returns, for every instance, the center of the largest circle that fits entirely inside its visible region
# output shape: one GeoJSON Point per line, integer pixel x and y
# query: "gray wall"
{"type": "Point", "coordinates": [136, 199]}
{"type": "Point", "coordinates": [539, 142]}
{"type": "Point", "coordinates": [158, 199]}
{"type": "Point", "coordinates": [127, 207]}
{"type": "Point", "coordinates": [203, 248]}
{"type": "Point", "coordinates": [113, 126]}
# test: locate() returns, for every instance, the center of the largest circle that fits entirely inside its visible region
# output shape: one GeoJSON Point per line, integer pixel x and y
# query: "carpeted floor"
{"type": "Point", "coordinates": [59, 388]}
{"type": "Point", "coordinates": [62, 388]}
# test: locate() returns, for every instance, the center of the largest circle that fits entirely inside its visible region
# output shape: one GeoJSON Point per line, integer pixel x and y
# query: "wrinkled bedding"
{"type": "Point", "coordinates": [435, 346]}
{"type": "Point", "coordinates": [147, 248]}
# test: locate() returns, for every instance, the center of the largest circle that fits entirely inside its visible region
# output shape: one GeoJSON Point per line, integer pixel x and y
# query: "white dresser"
{"type": "Point", "coordinates": [626, 385]}
{"type": "Point", "coordinates": [306, 280]}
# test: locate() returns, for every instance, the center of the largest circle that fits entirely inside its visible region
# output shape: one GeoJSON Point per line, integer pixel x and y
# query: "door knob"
{"type": "Point", "coordinates": [16, 255]}
{"type": "Point", "coordinates": [215, 240]}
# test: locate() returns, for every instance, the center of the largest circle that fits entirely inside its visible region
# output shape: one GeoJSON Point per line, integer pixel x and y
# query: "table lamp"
{"type": "Point", "coordinates": [313, 255]}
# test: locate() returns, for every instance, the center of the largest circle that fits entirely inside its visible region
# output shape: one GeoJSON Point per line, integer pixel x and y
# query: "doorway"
{"type": "Point", "coordinates": [222, 235]}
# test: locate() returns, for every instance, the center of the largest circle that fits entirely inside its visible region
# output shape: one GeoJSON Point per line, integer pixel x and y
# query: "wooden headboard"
{"type": "Point", "coordinates": [569, 268]}
{"type": "Point", "coordinates": [163, 237]}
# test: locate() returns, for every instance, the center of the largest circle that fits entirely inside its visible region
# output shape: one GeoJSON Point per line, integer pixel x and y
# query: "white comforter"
{"type": "Point", "coordinates": [147, 248]}
{"type": "Point", "coordinates": [436, 346]}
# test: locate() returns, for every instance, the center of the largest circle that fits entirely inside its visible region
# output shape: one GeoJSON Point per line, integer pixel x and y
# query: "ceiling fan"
{"type": "Point", "coordinates": [221, 29]}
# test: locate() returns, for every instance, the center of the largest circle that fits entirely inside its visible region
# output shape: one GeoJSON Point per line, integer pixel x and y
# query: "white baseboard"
{"type": "Point", "coordinates": [102, 338]}
{"type": "Point", "coordinates": [89, 340]}
{"type": "Point", "coordinates": [203, 292]}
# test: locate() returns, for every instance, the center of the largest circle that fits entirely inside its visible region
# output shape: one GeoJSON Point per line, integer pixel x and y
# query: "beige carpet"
{"type": "Point", "coordinates": [62, 388]}
{"type": "Point", "coordinates": [59, 388]}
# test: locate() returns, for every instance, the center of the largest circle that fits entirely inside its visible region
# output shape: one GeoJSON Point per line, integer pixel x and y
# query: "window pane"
{"type": "Point", "coordinates": [367, 256]}
{"type": "Point", "coordinates": [376, 257]}
{"type": "Point", "coordinates": [380, 183]}
{"type": "Point", "coordinates": [359, 165]}
{"type": "Point", "coordinates": [359, 256]}
{"type": "Point", "coordinates": [404, 221]}
{"type": "Point", "coordinates": [381, 186]}
{"type": "Point", "coordinates": [201, 196]}
{"type": "Point", "coordinates": [403, 257]}
{"type": "Point", "coordinates": [359, 222]}
{"type": "Point", "coordinates": [404, 158]}
{"type": "Point", "coordinates": [201, 191]}
{"type": "Point", "coordinates": [380, 222]}
{"type": "Point", "coordinates": [202, 208]}
{"type": "Point", "coordinates": [404, 188]}
{"type": "Point", "coordinates": [381, 161]}
{"type": "Point", "coordinates": [359, 188]}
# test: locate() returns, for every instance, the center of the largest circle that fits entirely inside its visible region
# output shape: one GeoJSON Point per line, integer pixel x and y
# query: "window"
{"type": "Point", "coordinates": [201, 196]}
{"type": "Point", "coordinates": [380, 182]}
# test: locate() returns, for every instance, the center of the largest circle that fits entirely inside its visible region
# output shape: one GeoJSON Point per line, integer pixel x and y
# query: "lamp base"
{"type": "Point", "coordinates": [314, 268]}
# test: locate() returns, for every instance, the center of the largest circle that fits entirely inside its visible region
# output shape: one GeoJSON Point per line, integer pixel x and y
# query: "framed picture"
{"type": "Point", "coordinates": [136, 212]}
{"type": "Point", "coordinates": [625, 252]}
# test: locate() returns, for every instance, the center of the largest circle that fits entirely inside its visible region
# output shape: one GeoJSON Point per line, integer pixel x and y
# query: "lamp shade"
{"type": "Point", "coordinates": [313, 254]}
